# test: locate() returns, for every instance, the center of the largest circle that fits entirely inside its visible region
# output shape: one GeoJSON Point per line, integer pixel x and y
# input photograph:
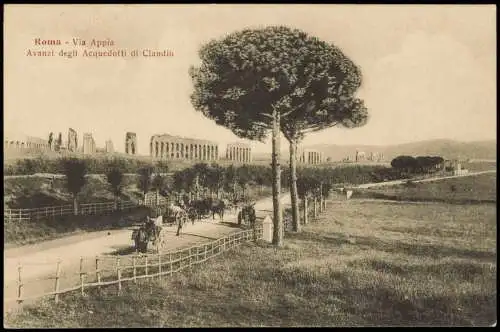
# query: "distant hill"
{"type": "Point", "coordinates": [448, 149]}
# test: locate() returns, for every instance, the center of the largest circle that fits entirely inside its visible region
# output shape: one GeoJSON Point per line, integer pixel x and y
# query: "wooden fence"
{"type": "Point", "coordinates": [112, 270]}
{"type": "Point", "coordinates": [152, 199]}
{"type": "Point", "coordinates": [18, 215]}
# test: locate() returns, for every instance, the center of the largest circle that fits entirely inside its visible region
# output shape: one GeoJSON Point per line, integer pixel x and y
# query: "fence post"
{"type": "Point", "coordinates": [134, 269]}
{"type": "Point", "coordinates": [97, 272]}
{"type": "Point", "coordinates": [119, 273]}
{"type": "Point", "coordinates": [56, 287]}
{"type": "Point", "coordinates": [146, 266]}
{"type": "Point", "coordinates": [19, 284]}
{"type": "Point", "coordinates": [170, 263]}
{"type": "Point", "coordinates": [20, 215]}
{"type": "Point", "coordinates": [82, 276]}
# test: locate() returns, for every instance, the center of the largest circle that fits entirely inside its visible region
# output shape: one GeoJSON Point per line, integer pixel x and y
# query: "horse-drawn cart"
{"type": "Point", "coordinates": [149, 232]}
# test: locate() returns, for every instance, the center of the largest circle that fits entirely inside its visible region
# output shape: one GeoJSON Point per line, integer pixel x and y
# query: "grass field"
{"type": "Point", "coordinates": [470, 189]}
{"type": "Point", "coordinates": [480, 166]}
{"type": "Point", "coordinates": [361, 263]}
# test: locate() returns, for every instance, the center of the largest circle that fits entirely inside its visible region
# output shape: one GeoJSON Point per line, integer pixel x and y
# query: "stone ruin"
{"type": "Point", "coordinates": [130, 143]}
{"type": "Point", "coordinates": [72, 140]}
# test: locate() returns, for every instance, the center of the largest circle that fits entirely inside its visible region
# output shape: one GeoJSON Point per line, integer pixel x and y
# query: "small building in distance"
{"type": "Point", "coordinates": [375, 156]}
{"type": "Point", "coordinates": [455, 167]}
{"type": "Point", "coordinates": [360, 156]}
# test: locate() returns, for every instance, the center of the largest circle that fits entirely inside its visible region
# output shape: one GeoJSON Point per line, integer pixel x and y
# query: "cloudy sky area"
{"type": "Point", "coordinates": [429, 71]}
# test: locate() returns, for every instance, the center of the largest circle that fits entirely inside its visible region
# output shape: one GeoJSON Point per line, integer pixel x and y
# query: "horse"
{"type": "Point", "coordinates": [157, 237]}
{"type": "Point", "coordinates": [247, 214]}
{"type": "Point", "coordinates": [199, 208]}
{"type": "Point", "coordinates": [218, 206]}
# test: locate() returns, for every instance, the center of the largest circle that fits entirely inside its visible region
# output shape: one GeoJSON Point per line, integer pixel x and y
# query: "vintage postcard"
{"type": "Point", "coordinates": [217, 165]}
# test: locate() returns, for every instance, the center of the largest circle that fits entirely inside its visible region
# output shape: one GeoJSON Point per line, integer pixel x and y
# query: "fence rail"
{"type": "Point", "coordinates": [17, 215]}
{"type": "Point", "coordinates": [110, 270]}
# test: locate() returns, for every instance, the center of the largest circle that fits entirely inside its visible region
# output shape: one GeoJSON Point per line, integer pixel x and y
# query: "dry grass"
{"type": "Point", "coordinates": [480, 166]}
{"type": "Point", "coordinates": [360, 264]}
{"type": "Point", "coordinates": [470, 189]}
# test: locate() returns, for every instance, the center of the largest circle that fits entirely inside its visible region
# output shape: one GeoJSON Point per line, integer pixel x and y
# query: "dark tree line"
{"type": "Point", "coordinates": [29, 166]}
{"type": "Point", "coordinates": [417, 165]}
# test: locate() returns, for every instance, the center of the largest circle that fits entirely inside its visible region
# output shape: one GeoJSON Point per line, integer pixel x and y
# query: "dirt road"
{"type": "Point", "coordinates": [391, 183]}
{"type": "Point", "coordinates": [39, 260]}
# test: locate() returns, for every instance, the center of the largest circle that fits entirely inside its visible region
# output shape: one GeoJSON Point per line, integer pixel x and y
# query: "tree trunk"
{"type": "Point", "coordinates": [278, 214]}
{"type": "Point", "coordinates": [321, 197]}
{"type": "Point", "coordinates": [306, 214]}
{"type": "Point", "coordinates": [315, 208]}
{"type": "Point", "coordinates": [294, 196]}
{"type": "Point", "coordinates": [75, 205]}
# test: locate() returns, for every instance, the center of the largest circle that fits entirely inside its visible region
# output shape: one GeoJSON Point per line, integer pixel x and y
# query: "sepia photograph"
{"type": "Point", "coordinates": [249, 165]}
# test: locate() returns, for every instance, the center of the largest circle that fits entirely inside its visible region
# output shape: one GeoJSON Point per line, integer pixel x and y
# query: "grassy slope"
{"type": "Point", "coordinates": [472, 189]}
{"type": "Point", "coordinates": [361, 263]}
{"type": "Point", "coordinates": [38, 192]}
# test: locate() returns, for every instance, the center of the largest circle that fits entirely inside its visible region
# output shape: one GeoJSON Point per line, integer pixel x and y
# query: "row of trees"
{"type": "Point", "coordinates": [418, 165]}
{"type": "Point", "coordinates": [76, 171]}
{"type": "Point", "coordinates": [94, 165]}
{"type": "Point", "coordinates": [214, 177]}
{"type": "Point", "coordinates": [217, 179]}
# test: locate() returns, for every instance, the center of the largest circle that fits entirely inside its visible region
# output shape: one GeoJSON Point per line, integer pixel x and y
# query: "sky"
{"type": "Point", "coordinates": [429, 72]}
